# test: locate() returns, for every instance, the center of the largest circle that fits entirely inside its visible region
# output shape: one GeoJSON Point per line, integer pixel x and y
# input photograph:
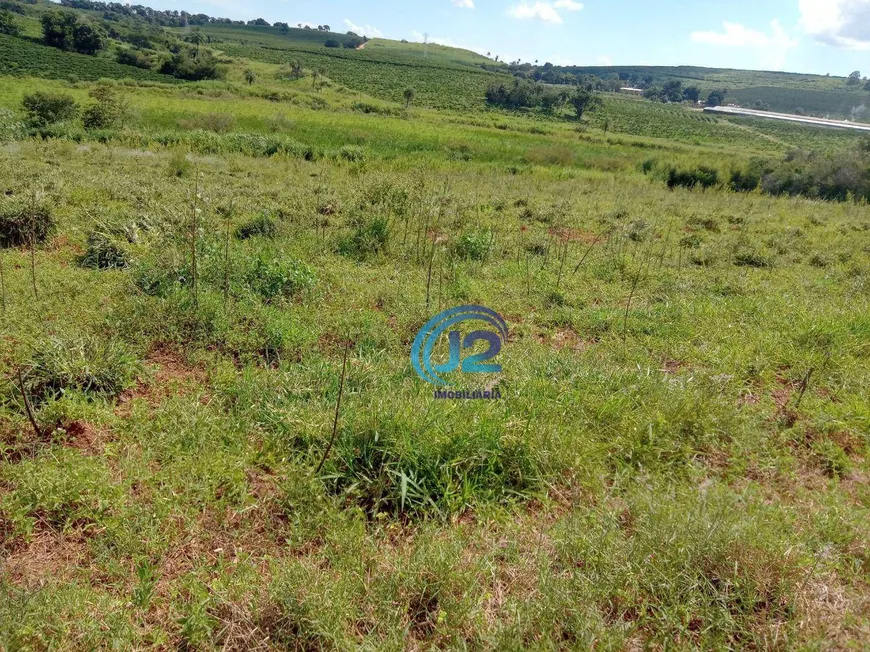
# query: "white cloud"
{"type": "Point", "coordinates": [363, 30]}
{"type": "Point", "coordinates": [542, 11]}
{"type": "Point", "coordinates": [465, 4]}
{"type": "Point", "coordinates": [772, 48]}
{"type": "Point", "coordinates": [841, 23]}
{"type": "Point", "coordinates": [604, 60]}
{"type": "Point", "coordinates": [570, 5]}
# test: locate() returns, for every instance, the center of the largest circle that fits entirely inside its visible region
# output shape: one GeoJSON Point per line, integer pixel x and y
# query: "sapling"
{"type": "Point", "coordinates": [2, 288]}
{"type": "Point", "coordinates": [337, 409]}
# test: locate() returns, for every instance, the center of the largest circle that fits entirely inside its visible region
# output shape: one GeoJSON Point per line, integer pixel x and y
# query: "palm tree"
{"type": "Point", "coordinates": [321, 73]}
{"type": "Point", "coordinates": [296, 68]}
{"type": "Point", "coordinates": [408, 94]}
{"type": "Point", "coordinates": [197, 39]}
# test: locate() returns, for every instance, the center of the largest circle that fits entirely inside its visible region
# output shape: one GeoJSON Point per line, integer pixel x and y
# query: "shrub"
{"type": "Point", "coordinates": [370, 237]}
{"type": "Point", "coordinates": [94, 365]}
{"type": "Point", "coordinates": [108, 109]}
{"type": "Point", "coordinates": [11, 128]}
{"type": "Point", "coordinates": [474, 246]}
{"type": "Point", "coordinates": [749, 179]}
{"type": "Point", "coordinates": [20, 221]}
{"type": "Point", "coordinates": [261, 226]}
{"type": "Point", "coordinates": [332, 43]}
{"type": "Point", "coordinates": [352, 153]}
{"type": "Point", "coordinates": [192, 68]}
{"type": "Point", "coordinates": [837, 177]}
{"type": "Point", "coordinates": [106, 251]}
{"type": "Point", "coordinates": [133, 58]}
{"type": "Point", "coordinates": [703, 176]}
{"type": "Point", "coordinates": [8, 24]}
{"type": "Point", "coordinates": [275, 277]}
{"type": "Point", "coordinates": [44, 109]}
{"type": "Point", "coordinates": [179, 165]}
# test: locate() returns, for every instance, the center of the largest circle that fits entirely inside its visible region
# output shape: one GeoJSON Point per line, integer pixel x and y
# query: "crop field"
{"type": "Point", "coordinates": [435, 86]}
{"type": "Point", "coordinates": [22, 57]}
{"type": "Point", "coordinates": [212, 434]}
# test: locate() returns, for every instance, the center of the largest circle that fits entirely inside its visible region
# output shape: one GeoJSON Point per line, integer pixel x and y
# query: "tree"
{"type": "Point", "coordinates": [197, 39]}
{"type": "Point", "coordinates": [44, 109]}
{"type": "Point", "coordinates": [57, 27]}
{"type": "Point", "coordinates": [692, 93]}
{"type": "Point", "coordinates": [408, 94]}
{"type": "Point", "coordinates": [8, 24]}
{"type": "Point", "coordinates": [332, 43]}
{"type": "Point", "coordinates": [89, 39]}
{"type": "Point", "coordinates": [867, 86]}
{"type": "Point", "coordinates": [62, 29]}
{"type": "Point", "coordinates": [854, 78]}
{"type": "Point", "coordinates": [673, 91]}
{"type": "Point", "coordinates": [716, 98]}
{"type": "Point", "coordinates": [250, 76]}
{"type": "Point", "coordinates": [584, 100]}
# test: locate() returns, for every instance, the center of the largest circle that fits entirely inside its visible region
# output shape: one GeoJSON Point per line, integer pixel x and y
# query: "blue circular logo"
{"type": "Point", "coordinates": [427, 338]}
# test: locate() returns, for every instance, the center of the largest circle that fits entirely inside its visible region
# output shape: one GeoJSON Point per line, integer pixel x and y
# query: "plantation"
{"type": "Point", "coordinates": [212, 435]}
{"type": "Point", "coordinates": [21, 57]}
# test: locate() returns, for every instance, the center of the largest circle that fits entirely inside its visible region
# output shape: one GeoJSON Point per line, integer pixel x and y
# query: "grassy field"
{"type": "Point", "coordinates": [679, 459]}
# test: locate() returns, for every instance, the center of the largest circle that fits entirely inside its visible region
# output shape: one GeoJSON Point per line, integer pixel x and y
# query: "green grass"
{"type": "Point", "coordinates": [679, 459]}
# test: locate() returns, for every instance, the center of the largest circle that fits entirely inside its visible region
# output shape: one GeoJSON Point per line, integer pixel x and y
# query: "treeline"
{"type": "Point", "coordinates": [524, 94]}
{"type": "Point", "coordinates": [841, 176]}
{"type": "Point", "coordinates": [162, 18]}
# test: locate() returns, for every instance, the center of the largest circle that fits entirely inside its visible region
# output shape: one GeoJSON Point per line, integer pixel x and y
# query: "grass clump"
{"type": "Point", "coordinates": [96, 366]}
{"type": "Point", "coordinates": [22, 221]}
{"type": "Point", "coordinates": [106, 250]}
{"type": "Point", "coordinates": [261, 226]}
{"type": "Point", "coordinates": [383, 469]}
{"type": "Point", "coordinates": [273, 276]}
{"type": "Point", "coordinates": [474, 245]}
{"type": "Point", "coordinates": [370, 237]}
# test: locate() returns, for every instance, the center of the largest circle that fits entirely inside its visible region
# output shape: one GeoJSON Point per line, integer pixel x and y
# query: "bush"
{"type": "Point", "coordinates": [701, 176]}
{"type": "Point", "coordinates": [133, 58]}
{"type": "Point", "coordinates": [272, 277]}
{"type": "Point", "coordinates": [44, 109]}
{"type": "Point", "coordinates": [19, 221]}
{"type": "Point", "coordinates": [106, 251]}
{"type": "Point", "coordinates": [371, 237]}
{"type": "Point", "coordinates": [837, 177]}
{"type": "Point", "coordinates": [749, 179]}
{"type": "Point", "coordinates": [474, 246]}
{"type": "Point", "coordinates": [107, 111]}
{"type": "Point", "coordinates": [332, 43]}
{"type": "Point", "coordinates": [261, 226]}
{"type": "Point", "coordinates": [8, 24]}
{"type": "Point", "coordinates": [11, 128]}
{"type": "Point", "coordinates": [192, 68]}
{"type": "Point", "coordinates": [93, 365]}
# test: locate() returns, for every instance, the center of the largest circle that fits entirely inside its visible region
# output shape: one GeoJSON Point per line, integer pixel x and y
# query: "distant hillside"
{"type": "Point", "coordinates": [780, 91]}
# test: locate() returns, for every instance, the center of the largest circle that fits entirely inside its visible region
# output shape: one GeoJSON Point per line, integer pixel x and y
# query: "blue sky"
{"type": "Point", "coordinates": [817, 36]}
